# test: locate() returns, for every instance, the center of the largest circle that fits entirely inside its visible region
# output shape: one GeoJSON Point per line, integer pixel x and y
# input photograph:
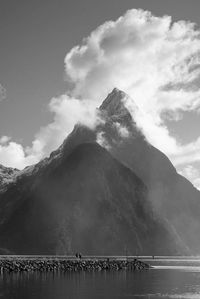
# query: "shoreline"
{"type": "Point", "coordinates": [55, 264]}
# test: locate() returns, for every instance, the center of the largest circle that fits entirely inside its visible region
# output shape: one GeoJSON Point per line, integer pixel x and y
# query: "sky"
{"type": "Point", "coordinates": [59, 59]}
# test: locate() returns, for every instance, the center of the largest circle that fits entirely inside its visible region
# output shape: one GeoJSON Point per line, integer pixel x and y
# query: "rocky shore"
{"type": "Point", "coordinates": [45, 265]}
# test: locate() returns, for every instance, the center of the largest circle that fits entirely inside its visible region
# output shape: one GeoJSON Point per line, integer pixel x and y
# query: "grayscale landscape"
{"type": "Point", "coordinates": [100, 157]}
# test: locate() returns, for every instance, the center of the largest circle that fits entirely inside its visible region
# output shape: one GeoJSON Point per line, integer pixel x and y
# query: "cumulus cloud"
{"type": "Point", "coordinates": [155, 61]}
{"type": "Point", "coordinates": [138, 50]}
{"type": "Point", "coordinates": [11, 154]}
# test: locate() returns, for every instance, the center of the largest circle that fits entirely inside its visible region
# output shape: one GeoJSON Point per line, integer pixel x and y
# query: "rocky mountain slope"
{"type": "Point", "coordinates": [7, 174]}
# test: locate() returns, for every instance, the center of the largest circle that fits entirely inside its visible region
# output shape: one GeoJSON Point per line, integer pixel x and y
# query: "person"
{"type": "Point", "coordinates": [80, 256]}
{"type": "Point", "coordinates": [77, 255]}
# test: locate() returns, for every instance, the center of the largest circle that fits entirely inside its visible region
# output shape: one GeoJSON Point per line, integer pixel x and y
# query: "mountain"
{"type": "Point", "coordinates": [81, 201]}
{"type": "Point", "coordinates": [173, 198]}
{"type": "Point", "coordinates": [101, 192]}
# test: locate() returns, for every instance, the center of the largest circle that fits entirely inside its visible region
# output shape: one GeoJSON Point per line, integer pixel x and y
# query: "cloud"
{"type": "Point", "coordinates": [12, 154]}
{"type": "Point", "coordinates": [4, 140]}
{"type": "Point", "coordinates": [155, 61]}
{"type": "Point", "coordinates": [123, 131]}
{"type": "Point", "coordinates": [138, 50]}
{"type": "Point", "coordinates": [101, 140]}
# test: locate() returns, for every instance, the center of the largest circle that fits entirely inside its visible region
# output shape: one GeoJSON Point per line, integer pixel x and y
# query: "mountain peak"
{"type": "Point", "coordinates": [114, 103]}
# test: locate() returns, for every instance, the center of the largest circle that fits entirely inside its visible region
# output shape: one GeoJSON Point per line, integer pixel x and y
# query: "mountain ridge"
{"type": "Point", "coordinates": [166, 194]}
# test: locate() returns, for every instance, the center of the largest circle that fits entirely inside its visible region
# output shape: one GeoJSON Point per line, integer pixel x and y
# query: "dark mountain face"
{"type": "Point", "coordinates": [85, 201]}
{"type": "Point", "coordinates": [101, 199]}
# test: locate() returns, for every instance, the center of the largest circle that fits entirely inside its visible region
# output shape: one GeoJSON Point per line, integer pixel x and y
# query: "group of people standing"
{"type": "Point", "coordinates": [78, 255]}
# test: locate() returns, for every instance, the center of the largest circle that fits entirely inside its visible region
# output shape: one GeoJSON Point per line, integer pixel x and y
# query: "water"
{"type": "Point", "coordinates": [170, 278]}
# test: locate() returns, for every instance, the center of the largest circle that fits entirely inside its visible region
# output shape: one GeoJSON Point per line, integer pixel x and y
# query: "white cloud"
{"type": "Point", "coordinates": [12, 154]}
{"type": "Point", "coordinates": [4, 140]}
{"type": "Point", "coordinates": [140, 54]}
{"type": "Point", "coordinates": [155, 61]}
{"type": "Point", "coordinates": [123, 131]}
{"type": "Point", "coordinates": [188, 153]}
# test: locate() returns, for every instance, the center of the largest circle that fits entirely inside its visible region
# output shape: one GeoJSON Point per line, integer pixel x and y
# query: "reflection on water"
{"type": "Point", "coordinates": [167, 280]}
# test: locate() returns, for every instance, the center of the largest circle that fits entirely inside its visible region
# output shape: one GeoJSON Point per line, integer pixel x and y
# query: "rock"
{"type": "Point", "coordinates": [21, 264]}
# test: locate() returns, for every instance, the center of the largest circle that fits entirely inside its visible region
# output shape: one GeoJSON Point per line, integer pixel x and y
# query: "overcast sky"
{"type": "Point", "coordinates": [38, 54]}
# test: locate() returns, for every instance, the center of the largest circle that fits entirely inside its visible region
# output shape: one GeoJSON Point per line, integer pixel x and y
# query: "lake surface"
{"type": "Point", "coordinates": [170, 278]}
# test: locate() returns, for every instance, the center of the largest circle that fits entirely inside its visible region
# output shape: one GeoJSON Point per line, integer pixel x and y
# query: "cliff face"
{"type": "Point", "coordinates": [101, 198]}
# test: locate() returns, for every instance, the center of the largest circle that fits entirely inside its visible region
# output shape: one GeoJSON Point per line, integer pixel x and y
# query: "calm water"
{"type": "Point", "coordinates": [169, 279]}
